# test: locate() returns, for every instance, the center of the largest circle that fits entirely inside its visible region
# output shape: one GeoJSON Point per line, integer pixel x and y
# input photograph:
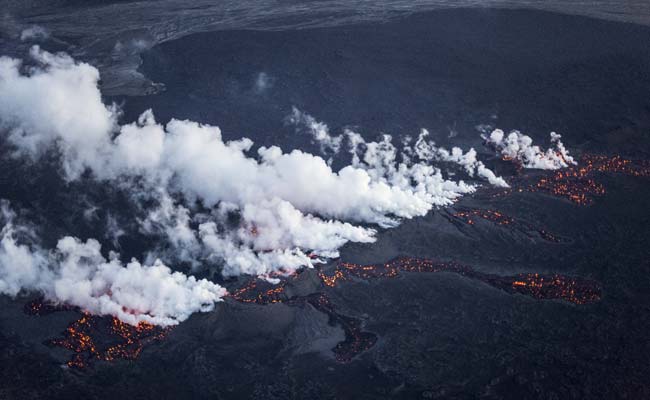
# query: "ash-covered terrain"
{"type": "Point", "coordinates": [320, 258]}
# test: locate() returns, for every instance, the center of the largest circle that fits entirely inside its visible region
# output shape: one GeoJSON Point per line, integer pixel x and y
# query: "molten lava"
{"type": "Point", "coordinates": [107, 339]}
{"type": "Point", "coordinates": [555, 286]}
{"type": "Point", "coordinates": [574, 290]}
{"type": "Point", "coordinates": [98, 338]}
{"type": "Point", "coordinates": [40, 306]}
{"type": "Point", "coordinates": [356, 341]}
{"type": "Point", "coordinates": [490, 215]}
{"type": "Point", "coordinates": [260, 292]}
{"type": "Point", "coordinates": [578, 184]}
{"type": "Point", "coordinates": [469, 216]}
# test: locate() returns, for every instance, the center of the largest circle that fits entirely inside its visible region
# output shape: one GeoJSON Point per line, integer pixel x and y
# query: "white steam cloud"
{"type": "Point", "coordinates": [468, 160]}
{"type": "Point", "coordinates": [519, 147]}
{"type": "Point", "coordinates": [380, 157]}
{"type": "Point", "coordinates": [77, 274]}
{"type": "Point", "coordinates": [292, 206]}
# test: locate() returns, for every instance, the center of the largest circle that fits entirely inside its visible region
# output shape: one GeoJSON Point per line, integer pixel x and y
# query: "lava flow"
{"type": "Point", "coordinates": [577, 183]}
{"type": "Point", "coordinates": [469, 216]}
{"type": "Point", "coordinates": [99, 338]}
{"type": "Point", "coordinates": [107, 338]}
{"type": "Point", "coordinates": [356, 340]}
{"type": "Point", "coordinates": [573, 290]}
{"type": "Point", "coordinates": [498, 218]}
{"type": "Point", "coordinates": [260, 292]}
{"type": "Point", "coordinates": [94, 338]}
{"type": "Point", "coordinates": [40, 306]}
{"type": "Point", "coordinates": [555, 286]}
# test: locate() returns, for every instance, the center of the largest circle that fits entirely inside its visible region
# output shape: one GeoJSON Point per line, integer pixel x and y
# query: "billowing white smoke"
{"type": "Point", "coordinates": [20, 267]}
{"type": "Point", "coordinates": [469, 161]}
{"type": "Point", "coordinates": [57, 102]}
{"type": "Point", "coordinates": [77, 274]}
{"type": "Point", "coordinates": [519, 147]}
{"type": "Point", "coordinates": [270, 237]}
{"type": "Point", "coordinates": [291, 206]}
{"type": "Point", "coordinates": [380, 158]}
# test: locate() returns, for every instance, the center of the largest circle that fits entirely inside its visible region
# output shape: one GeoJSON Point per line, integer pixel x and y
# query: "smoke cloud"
{"type": "Point", "coordinates": [292, 206]}
{"type": "Point", "coordinates": [519, 147]}
{"type": "Point", "coordinates": [380, 156]}
{"type": "Point", "coordinates": [77, 274]}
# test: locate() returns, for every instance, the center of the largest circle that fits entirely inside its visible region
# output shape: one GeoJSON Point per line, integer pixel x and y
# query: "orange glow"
{"type": "Point", "coordinates": [577, 183]}
{"type": "Point", "coordinates": [81, 337]}
{"type": "Point", "coordinates": [560, 287]}
{"type": "Point", "coordinates": [490, 215]}
{"type": "Point", "coordinates": [469, 215]}
{"type": "Point", "coordinates": [252, 292]}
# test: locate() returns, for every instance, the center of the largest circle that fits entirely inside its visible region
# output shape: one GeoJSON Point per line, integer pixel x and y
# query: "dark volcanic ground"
{"type": "Point", "coordinates": [438, 335]}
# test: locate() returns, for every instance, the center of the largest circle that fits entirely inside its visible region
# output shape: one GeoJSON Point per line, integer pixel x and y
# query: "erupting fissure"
{"type": "Point", "coordinates": [578, 184]}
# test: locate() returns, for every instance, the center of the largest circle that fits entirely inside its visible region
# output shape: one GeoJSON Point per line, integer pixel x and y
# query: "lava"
{"type": "Point", "coordinates": [40, 306]}
{"type": "Point", "coordinates": [578, 184]}
{"type": "Point", "coordinates": [356, 340]}
{"type": "Point", "coordinates": [331, 280]}
{"type": "Point", "coordinates": [98, 338]}
{"type": "Point", "coordinates": [573, 184]}
{"type": "Point", "coordinates": [573, 290]}
{"type": "Point", "coordinates": [555, 286]}
{"type": "Point", "coordinates": [108, 339]}
{"type": "Point", "coordinates": [260, 292]}
{"type": "Point", "coordinates": [490, 215]}
{"type": "Point", "coordinates": [543, 287]}
{"type": "Point", "coordinates": [469, 216]}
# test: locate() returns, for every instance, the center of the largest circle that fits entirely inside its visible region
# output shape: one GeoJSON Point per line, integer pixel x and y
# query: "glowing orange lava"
{"type": "Point", "coordinates": [556, 286]}
{"type": "Point", "coordinates": [356, 340]}
{"type": "Point", "coordinates": [469, 216]}
{"type": "Point", "coordinates": [259, 292]}
{"type": "Point", "coordinates": [490, 215]}
{"type": "Point", "coordinates": [574, 290]}
{"type": "Point", "coordinates": [105, 338]}
{"type": "Point", "coordinates": [578, 183]}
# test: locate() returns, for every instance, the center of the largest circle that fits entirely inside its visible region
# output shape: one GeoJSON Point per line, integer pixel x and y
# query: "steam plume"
{"type": "Point", "coordinates": [519, 147]}
{"type": "Point", "coordinates": [77, 274]}
{"type": "Point", "coordinates": [290, 204]}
